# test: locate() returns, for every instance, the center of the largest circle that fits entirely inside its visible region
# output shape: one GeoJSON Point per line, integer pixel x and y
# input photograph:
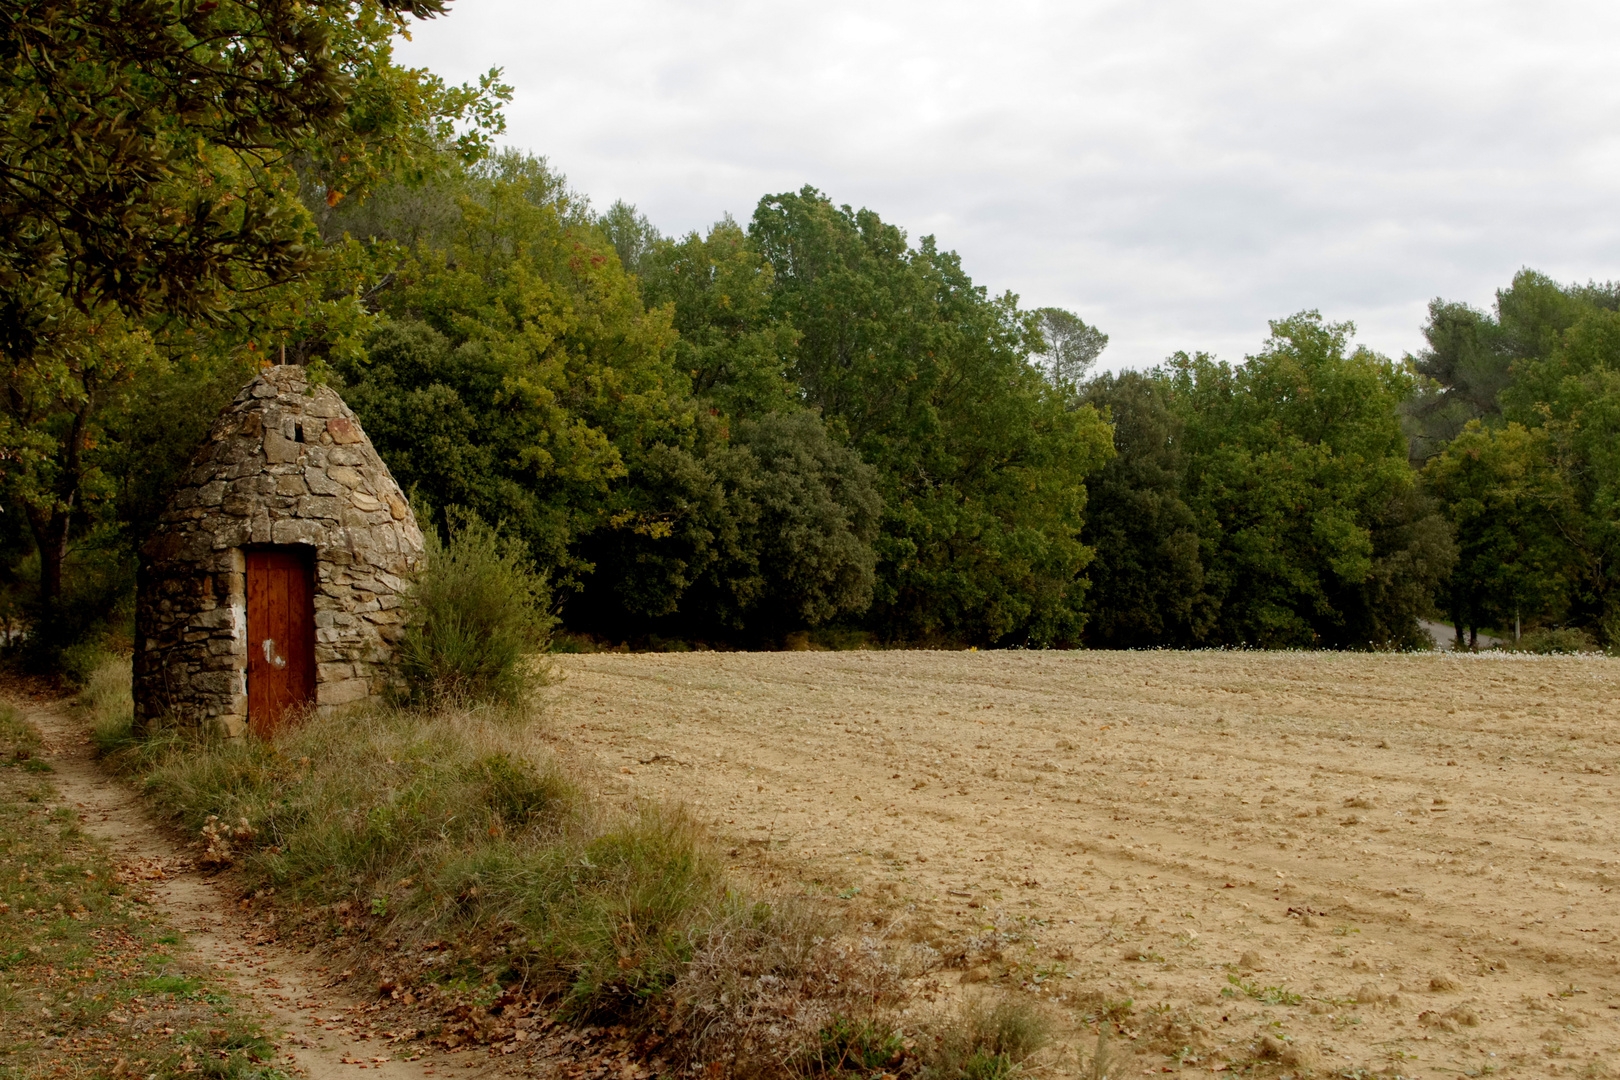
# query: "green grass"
{"type": "Point", "coordinates": [88, 978]}
{"type": "Point", "coordinates": [459, 833]}
{"type": "Point", "coordinates": [19, 742]}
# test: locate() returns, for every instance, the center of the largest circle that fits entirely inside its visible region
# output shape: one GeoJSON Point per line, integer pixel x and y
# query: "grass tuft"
{"type": "Point", "coordinates": [985, 1041]}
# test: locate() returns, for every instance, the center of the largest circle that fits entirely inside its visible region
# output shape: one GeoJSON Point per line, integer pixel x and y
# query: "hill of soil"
{"type": "Point", "coordinates": [1396, 864]}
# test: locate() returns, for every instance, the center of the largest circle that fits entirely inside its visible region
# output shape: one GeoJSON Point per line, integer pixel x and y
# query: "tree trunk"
{"type": "Point", "coordinates": [1473, 639]}
{"type": "Point", "coordinates": [51, 527]}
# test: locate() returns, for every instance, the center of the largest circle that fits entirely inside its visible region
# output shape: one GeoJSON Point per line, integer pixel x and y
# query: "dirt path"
{"type": "Point", "coordinates": [322, 1032]}
{"type": "Point", "coordinates": [1397, 864]}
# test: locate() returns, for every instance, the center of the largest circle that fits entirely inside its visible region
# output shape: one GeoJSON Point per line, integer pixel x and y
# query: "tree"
{"type": "Point", "coordinates": [1297, 471]}
{"type": "Point", "coordinates": [1508, 500]}
{"type": "Point", "coordinates": [518, 374]}
{"type": "Point", "coordinates": [981, 463]}
{"type": "Point", "coordinates": [734, 346]}
{"type": "Point", "coordinates": [1068, 345]}
{"type": "Point", "coordinates": [1147, 581]}
{"type": "Point", "coordinates": [149, 152]}
{"type": "Point", "coordinates": [632, 235]}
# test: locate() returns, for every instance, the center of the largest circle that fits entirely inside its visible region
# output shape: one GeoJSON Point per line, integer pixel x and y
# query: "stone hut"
{"type": "Point", "coordinates": [274, 580]}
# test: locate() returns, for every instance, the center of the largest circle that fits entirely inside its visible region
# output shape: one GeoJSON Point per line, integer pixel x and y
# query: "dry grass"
{"type": "Point", "coordinates": [455, 850]}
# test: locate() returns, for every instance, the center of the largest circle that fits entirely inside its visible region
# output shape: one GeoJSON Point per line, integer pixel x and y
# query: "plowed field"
{"type": "Point", "coordinates": [1397, 864]}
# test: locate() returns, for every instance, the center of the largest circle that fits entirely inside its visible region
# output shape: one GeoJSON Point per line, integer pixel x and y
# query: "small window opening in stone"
{"type": "Point", "coordinates": [298, 433]}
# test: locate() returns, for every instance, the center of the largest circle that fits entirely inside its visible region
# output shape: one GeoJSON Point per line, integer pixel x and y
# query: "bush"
{"type": "Point", "coordinates": [1554, 640]}
{"type": "Point", "coordinates": [480, 613]}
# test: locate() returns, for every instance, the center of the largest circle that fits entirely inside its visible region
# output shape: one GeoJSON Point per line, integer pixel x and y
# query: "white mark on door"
{"type": "Point", "coordinates": [271, 657]}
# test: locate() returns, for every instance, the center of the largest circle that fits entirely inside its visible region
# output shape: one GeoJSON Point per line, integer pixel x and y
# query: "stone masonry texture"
{"type": "Point", "coordinates": [285, 464]}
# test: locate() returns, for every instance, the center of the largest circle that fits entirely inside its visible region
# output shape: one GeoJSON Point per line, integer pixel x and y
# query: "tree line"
{"type": "Point", "coordinates": [805, 423]}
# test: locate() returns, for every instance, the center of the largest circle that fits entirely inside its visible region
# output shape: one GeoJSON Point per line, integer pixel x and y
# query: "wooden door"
{"type": "Point", "coordinates": [281, 635]}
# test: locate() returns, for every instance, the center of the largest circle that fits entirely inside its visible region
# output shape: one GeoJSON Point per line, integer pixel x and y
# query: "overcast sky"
{"type": "Point", "coordinates": [1175, 172]}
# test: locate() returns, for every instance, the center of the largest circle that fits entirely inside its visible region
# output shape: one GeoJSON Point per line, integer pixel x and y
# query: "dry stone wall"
{"type": "Point", "coordinates": [287, 464]}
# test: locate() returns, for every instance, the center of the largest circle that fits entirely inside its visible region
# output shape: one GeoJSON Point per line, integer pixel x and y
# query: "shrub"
{"type": "Point", "coordinates": [1554, 640]}
{"type": "Point", "coordinates": [479, 613]}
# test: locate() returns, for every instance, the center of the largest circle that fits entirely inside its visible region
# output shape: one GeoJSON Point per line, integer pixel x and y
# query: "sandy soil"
{"type": "Point", "coordinates": [1422, 848]}
{"type": "Point", "coordinates": [324, 1032]}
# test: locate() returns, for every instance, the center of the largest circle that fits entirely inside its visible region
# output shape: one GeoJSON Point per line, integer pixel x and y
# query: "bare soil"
{"type": "Point", "coordinates": [1396, 864]}
{"type": "Point", "coordinates": [324, 1031]}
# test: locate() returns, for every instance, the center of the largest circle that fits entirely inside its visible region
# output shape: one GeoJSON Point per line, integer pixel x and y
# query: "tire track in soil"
{"type": "Point", "coordinates": [313, 1019]}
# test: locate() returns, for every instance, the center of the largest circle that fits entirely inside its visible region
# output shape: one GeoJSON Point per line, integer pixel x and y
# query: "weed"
{"type": "Point", "coordinates": [845, 1044]}
{"type": "Point", "coordinates": [1269, 995]}
{"type": "Point", "coordinates": [19, 741]}
{"type": "Point", "coordinates": [984, 1042]}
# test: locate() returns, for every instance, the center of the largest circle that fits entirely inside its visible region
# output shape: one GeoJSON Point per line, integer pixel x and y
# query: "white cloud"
{"type": "Point", "coordinates": [1176, 172]}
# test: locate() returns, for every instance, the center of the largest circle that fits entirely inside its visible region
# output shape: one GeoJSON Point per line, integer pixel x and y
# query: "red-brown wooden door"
{"type": "Point", "coordinates": [281, 635]}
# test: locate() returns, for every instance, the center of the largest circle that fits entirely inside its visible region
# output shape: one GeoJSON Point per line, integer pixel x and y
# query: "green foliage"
{"type": "Point", "coordinates": [853, 1046]}
{"type": "Point", "coordinates": [479, 614]}
{"type": "Point", "coordinates": [1148, 577]}
{"type": "Point", "coordinates": [926, 376]}
{"type": "Point", "coordinates": [1555, 641]}
{"type": "Point", "coordinates": [150, 221]}
{"type": "Point", "coordinates": [733, 345]}
{"type": "Point", "coordinates": [1509, 502]}
{"type": "Point", "coordinates": [1313, 533]}
{"type": "Point", "coordinates": [1533, 485]}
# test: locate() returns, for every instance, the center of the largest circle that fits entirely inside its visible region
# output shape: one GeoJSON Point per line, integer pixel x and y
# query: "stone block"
{"type": "Point", "coordinates": [344, 474]}
{"type": "Point", "coordinates": [320, 506]}
{"type": "Point", "coordinates": [344, 432]}
{"type": "Point", "coordinates": [320, 483]}
{"type": "Point", "coordinates": [342, 693]}
{"type": "Point", "coordinates": [230, 727]}
{"type": "Point", "coordinates": [278, 448]}
{"type": "Point", "coordinates": [333, 672]}
{"type": "Point", "coordinates": [296, 531]}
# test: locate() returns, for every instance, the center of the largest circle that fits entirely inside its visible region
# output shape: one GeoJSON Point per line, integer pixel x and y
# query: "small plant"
{"type": "Point", "coordinates": [479, 614]}
{"type": "Point", "coordinates": [985, 1042]}
{"type": "Point", "coordinates": [845, 1045]}
{"type": "Point", "coordinates": [1269, 995]}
